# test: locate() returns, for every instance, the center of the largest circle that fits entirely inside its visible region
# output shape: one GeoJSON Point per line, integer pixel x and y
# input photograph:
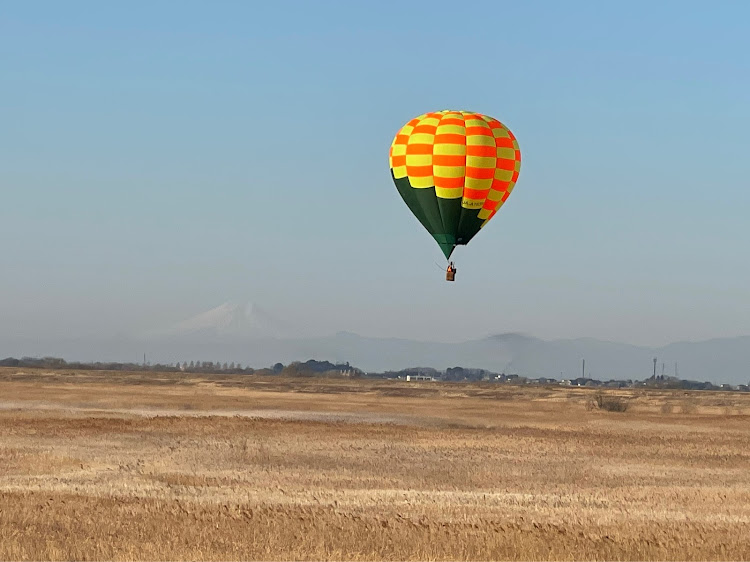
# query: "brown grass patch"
{"type": "Point", "coordinates": [228, 468]}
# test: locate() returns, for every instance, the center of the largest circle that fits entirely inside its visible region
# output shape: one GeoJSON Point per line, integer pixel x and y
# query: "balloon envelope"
{"type": "Point", "coordinates": [454, 170]}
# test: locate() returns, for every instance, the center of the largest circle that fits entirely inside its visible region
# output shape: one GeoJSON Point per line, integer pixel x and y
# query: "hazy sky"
{"type": "Point", "coordinates": [160, 158]}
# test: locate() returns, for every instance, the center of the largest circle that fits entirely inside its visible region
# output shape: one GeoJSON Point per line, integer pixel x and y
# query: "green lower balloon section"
{"type": "Point", "coordinates": [446, 220]}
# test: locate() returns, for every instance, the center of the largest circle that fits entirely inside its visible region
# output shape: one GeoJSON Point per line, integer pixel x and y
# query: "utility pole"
{"type": "Point", "coordinates": [654, 368]}
{"type": "Point", "coordinates": [583, 369]}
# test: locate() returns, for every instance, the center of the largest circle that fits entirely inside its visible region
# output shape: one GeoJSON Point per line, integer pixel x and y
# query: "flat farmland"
{"type": "Point", "coordinates": [122, 466]}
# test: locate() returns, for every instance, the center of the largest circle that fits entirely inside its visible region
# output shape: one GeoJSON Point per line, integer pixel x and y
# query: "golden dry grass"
{"type": "Point", "coordinates": [171, 466]}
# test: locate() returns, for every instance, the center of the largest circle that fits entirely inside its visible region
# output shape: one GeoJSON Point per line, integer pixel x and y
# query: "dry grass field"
{"type": "Point", "coordinates": [121, 466]}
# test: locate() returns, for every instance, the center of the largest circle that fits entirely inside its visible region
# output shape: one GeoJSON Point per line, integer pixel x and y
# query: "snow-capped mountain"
{"type": "Point", "coordinates": [228, 320]}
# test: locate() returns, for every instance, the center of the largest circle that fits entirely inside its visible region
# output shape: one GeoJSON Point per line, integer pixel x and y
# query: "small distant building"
{"type": "Point", "coordinates": [616, 384]}
{"type": "Point", "coordinates": [410, 378]}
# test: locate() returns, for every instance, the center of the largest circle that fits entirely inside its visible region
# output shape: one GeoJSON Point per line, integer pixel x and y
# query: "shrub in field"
{"type": "Point", "coordinates": [609, 403]}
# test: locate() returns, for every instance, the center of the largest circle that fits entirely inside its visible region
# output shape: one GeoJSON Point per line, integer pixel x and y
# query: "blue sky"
{"type": "Point", "coordinates": [160, 158]}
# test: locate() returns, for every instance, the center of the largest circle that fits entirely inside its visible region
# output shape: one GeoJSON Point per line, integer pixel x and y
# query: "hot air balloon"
{"type": "Point", "coordinates": [454, 170]}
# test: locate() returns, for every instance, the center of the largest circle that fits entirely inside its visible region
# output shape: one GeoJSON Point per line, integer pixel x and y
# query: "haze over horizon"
{"type": "Point", "coordinates": [158, 162]}
{"type": "Point", "coordinates": [247, 320]}
{"type": "Point", "coordinates": [252, 336]}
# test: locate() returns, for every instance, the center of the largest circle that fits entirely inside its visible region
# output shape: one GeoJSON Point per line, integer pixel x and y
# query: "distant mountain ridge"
{"type": "Point", "coordinates": [245, 333]}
